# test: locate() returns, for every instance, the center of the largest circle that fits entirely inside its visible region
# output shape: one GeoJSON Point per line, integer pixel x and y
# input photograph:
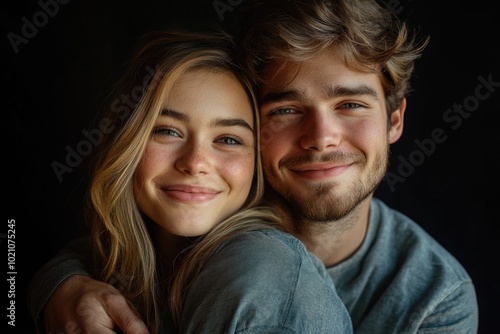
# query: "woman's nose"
{"type": "Point", "coordinates": [194, 159]}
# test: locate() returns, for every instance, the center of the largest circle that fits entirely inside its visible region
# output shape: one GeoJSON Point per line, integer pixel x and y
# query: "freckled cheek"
{"type": "Point", "coordinates": [237, 171]}
{"type": "Point", "coordinates": [153, 162]}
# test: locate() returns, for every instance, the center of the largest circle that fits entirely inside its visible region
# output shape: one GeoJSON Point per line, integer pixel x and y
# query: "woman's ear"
{"type": "Point", "coordinates": [397, 122]}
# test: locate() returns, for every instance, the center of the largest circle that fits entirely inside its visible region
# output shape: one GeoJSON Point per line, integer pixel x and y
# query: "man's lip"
{"type": "Point", "coordinates": [316, 167]}
{"type": "Point", "coordinates": [319, 170]}
{"type": "Point", "coordinates": [189, 194]}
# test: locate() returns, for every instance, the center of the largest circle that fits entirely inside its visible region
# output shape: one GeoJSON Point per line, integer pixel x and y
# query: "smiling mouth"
{"type": "Point", "coordinates": [319, 171]}
{"type": "Point", "coordinates": [190, 194]}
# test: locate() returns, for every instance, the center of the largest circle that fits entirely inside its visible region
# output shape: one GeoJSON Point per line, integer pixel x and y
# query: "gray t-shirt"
{"type": "Point", "coordinates": [263, 282]}
{"type": "Point", "coordinates": [258, 282]}
{"type": "Point", "coordinates": [399, 281]}
{"type": "Point", "coordinates": [402, 281]}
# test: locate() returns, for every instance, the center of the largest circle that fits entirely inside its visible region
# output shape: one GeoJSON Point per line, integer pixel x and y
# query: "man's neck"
{"type": "Point", "coordinates": [336, 241]}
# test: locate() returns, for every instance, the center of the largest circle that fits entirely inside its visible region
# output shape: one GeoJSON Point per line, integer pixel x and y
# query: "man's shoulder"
{"type": "Point", "coordinates": [400, 260]}
{"type": "Point", "coordinates": [411, 245]}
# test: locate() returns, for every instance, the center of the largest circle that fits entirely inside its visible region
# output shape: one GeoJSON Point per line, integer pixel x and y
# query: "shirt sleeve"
{"type": "Point", "coordinates": [71, 260]}
{"type": "Point", "coordinates": [457, 313]}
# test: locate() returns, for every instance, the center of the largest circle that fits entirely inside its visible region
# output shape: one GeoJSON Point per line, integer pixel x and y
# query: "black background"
{"type": "Point", "coordinates": [55, 87]}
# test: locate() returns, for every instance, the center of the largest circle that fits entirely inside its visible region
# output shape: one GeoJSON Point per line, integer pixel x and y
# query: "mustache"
{"type": "Point", "coordinates": [338, 157]}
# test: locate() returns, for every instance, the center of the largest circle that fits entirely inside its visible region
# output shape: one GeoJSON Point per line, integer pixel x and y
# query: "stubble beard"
{"type": "Point", "coordinates": [321, 203]}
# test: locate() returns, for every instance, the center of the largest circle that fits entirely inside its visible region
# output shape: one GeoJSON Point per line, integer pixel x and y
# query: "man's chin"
{"type": "Point", "coordinates": [324, 205]}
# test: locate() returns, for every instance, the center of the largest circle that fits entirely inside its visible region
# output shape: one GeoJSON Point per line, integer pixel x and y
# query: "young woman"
{"type": "Point", "coordinates": [177, 220]}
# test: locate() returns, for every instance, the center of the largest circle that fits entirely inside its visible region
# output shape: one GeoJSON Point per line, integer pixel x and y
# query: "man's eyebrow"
{"type": "Point", "coordinates": [330, 92]}
{"type": "Point", "coordinates": [351, 91]}
{"type": "Point", "coordinates": [280, 96]}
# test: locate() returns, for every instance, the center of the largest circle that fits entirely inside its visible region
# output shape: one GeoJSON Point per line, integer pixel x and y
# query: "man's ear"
{"type": "Point", "coordinates": [397, 122]}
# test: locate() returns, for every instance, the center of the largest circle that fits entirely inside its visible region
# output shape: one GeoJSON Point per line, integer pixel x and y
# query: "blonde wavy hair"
{"type": "Point", "coordinates": [124, 252]}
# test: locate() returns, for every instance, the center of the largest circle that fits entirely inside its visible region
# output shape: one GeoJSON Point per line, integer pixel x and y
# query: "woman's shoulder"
{"type": "Point", "coordinates": [270, 236]}
{"type": "Point", "coordinates": [264, 247]}
{"type": "Point", "coordinates": [265, 281]}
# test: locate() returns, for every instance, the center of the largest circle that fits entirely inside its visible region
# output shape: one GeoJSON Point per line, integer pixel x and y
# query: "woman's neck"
{"type": "Point", "coordinates": [170, 251]}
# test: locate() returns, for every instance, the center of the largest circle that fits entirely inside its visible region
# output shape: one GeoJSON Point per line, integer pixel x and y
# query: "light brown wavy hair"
{"type": "Point", "coordinates": [369, 37]}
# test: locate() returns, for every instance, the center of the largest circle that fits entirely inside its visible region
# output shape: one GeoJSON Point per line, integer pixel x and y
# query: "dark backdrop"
{"type": "Point", "coordinates": [59, 63]}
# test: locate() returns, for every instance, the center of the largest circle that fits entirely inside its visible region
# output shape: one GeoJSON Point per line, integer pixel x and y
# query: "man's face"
{"type": "Point", "coordinates": [324, 135]}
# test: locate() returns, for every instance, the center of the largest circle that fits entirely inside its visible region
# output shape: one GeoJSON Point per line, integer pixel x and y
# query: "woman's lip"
{"type": "Point", "coordinates": [190, 188]}
{"type": "Point", "coordinates": [190, 194]}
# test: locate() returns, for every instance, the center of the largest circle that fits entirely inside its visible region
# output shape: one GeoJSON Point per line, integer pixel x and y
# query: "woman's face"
{"type": "Point", "coordinates": [199, 162]}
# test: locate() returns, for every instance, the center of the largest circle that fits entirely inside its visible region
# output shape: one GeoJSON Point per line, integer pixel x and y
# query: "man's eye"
{"type": "Point", "coordinates": [282, 111]}
{"type": "Point", "coordinates": [228, 141]}
{"type": "Point", "coordinates": [351, 105]}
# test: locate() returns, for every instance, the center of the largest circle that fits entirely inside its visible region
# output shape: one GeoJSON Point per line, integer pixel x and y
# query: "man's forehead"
{"type": "Point", "coordinates": [303, 81]}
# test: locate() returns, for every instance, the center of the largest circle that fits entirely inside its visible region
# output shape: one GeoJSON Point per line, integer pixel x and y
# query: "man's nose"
{"type": "Point", "coordinates": [320, 130]}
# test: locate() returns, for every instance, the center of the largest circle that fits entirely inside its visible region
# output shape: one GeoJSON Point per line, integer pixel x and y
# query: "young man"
{"type": "Point", "coordinates": [333, 76]}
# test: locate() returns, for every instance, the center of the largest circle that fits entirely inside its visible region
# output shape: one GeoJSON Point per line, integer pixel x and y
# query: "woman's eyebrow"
{"type": "Point", "coordinates": [216, 122]}
{"type": "Point", "coordinates": [175, 114]}
{"type": "Point", "coordinates": [231, 122]}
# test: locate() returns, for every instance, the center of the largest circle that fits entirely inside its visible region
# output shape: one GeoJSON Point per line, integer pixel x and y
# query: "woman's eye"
{"type": "Point", "coordinates": [228, 141]}
{"type": "Point", "coordinates": [166, 132]}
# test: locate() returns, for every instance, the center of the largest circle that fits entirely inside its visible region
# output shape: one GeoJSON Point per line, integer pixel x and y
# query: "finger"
{"type": "Point", "coordinates": [132, 325]}
{"type": "Point", "coordinates": [124, 316]}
